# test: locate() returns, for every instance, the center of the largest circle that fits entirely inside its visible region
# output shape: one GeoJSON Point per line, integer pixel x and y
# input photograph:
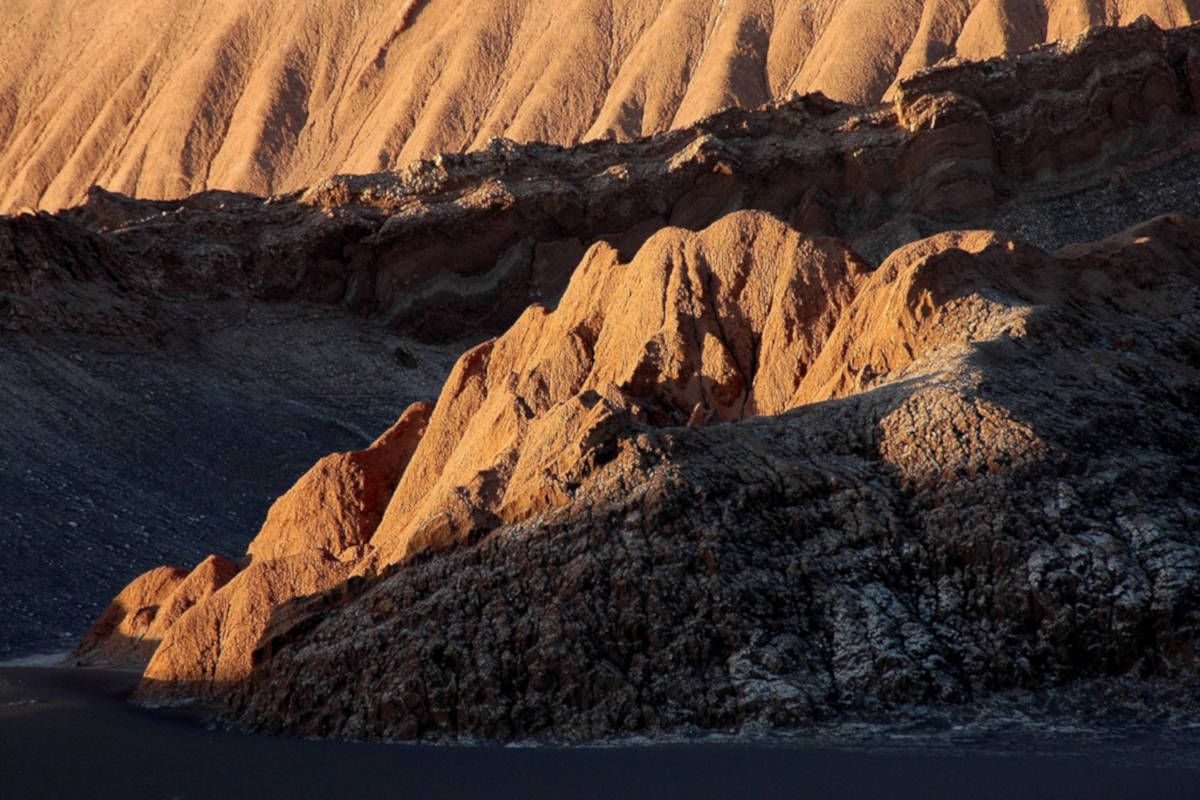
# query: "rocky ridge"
{"type": "Point", "coordinates": [625, 537]}
{"type": "Point", "coordinates": [466, 242]}
{"type": "Point", "coordinates": [738, 477]}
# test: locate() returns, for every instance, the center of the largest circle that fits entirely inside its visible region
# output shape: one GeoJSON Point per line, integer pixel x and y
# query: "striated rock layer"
{"type": "Point", "coordinates": [733, 476]}
{"type": "Point", "coordinates": [157, 99]}
{"type": "Point", "coordinates": [464, 243]}
{"type": "Point", "coordinates": [744, 480]}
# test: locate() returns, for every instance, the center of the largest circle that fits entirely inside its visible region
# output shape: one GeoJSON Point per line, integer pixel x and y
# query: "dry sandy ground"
{"type": "Point", "coordinates": [67, 733]}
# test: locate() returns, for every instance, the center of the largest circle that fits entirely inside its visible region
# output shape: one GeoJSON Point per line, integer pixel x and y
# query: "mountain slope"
{"type": "Point", "coordinates": [741, 480]}
{"type": "Point", "coordinates": [734, 477]}
{"type": "Point", "coordinates": [985, 483]}
{"type": "Point", "coordinates": [157, 99]}
{"type": "Point", "coordinates": [464, 243]}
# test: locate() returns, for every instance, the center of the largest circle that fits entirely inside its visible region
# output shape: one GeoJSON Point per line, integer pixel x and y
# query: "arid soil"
{"type": "Point", "coordinates": [790, 433]}
{"type": "Point", "coordinates": [158, 99]}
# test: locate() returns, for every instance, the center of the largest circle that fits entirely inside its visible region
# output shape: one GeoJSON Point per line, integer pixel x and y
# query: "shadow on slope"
{"type": "Point", "coordinates": [118, 453]}
{"type": "Point", "coordinates": [990, 491]}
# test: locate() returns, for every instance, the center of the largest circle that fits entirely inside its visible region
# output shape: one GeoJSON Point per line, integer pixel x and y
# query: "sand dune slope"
{"type": "Point", "coordinates": [160, 99]}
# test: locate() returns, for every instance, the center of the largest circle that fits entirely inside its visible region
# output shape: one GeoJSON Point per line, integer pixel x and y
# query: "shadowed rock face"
{"type": "Point", "coordinates": [624, 515]}
{"type": "Point", "coordinates": [465, 243]}
{"type": "Point", "coordinates": [999, 494]}
{"type": "Point", "coordinates": [273, 95]}
{"type": "Point", "coordinates": [736, 477]}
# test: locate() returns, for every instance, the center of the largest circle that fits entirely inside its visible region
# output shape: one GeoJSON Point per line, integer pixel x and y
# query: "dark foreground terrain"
{"type": "Point", "coordinates": [68, 733]}
{"type": "Point", "coordinates": [118, 453]}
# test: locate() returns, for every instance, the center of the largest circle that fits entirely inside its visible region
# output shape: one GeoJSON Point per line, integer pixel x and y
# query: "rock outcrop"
{"type": "Point", "coordinates": [309, 542]}
{"type": "Point", "coordinates": [465, 242]}
{"type": "Point", "coordinates": [716, 325]}
{"type": "Point", "coordinates": [736, 477]}
{"type": "Point", "coordinates": [131, 628]}
{"type": "Point", "coordinates": [272, 96]}
{"type": "Point", "coordinates": [993, 489]}
{"type": "Point", "coordinates": [337, 505]}
{"type": "Point", "coordinates": [744, 481]}
{"type": "Point", "coordinates": [212, 646]}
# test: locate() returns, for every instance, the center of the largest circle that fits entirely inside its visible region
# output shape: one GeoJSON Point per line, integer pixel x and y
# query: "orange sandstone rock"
{"type": "Point", "coordinates": [129, 631]}
{"type": "Point", "coordinates": [209, 622]}
{"type": "Point", "coordinates": [337, 504]}
{"type": "Point", "coordinates": [212, 645]}
{"type": "Point", "coordinates": [739, 430]}
{"type": "Point", "coordinates": [984, 479]}
{"type": "Point", "coordinates": [726, 320]}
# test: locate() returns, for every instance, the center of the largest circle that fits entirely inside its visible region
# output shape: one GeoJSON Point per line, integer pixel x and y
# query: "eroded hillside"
{"type": "Point", "coordinates": [739, 480]}
{"type": "Point", "coordinates": [1062, 144]}
{"type": "Point", "coordinates": [159, 99]}
{"type": "Point", "coordinates": [789, 431]}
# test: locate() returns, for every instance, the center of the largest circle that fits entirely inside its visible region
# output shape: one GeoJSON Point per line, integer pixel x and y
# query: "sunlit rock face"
{"type": "Point", "coordinates": [460, 245]}
{"type": "Point", "coordinates": [632, 482]}
{"type": "Point", "coordinates": [981, 482]}
{"type": "Point", "coordinates": [132, 627]}
{"type": "Point", "coordinates": [736, 477]}
{"type": "Point", "coordinates": [313, 540]}
{"type": "Point", "coordinates": [272, 96]}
